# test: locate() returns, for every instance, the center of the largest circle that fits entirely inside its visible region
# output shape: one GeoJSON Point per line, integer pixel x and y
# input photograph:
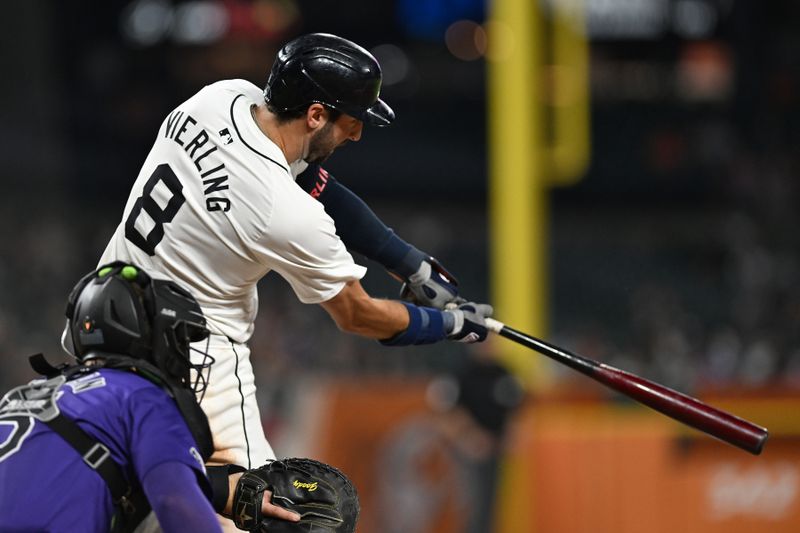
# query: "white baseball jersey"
{"type": "Point", "coordinates": [215, 207]}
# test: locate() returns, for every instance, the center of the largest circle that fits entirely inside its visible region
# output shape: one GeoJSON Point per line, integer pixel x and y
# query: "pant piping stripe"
{"type": "Point", "coordinates": [241, 394]}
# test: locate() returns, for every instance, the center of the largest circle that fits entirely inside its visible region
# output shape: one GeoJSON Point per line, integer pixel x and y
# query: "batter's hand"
{"type": "Point", "coordinates": [468, 322]}
{"type": "Point", "coordinates": [431, 286]}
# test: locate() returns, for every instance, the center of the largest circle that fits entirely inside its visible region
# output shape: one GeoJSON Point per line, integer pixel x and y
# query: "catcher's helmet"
{"type": "Point", "coordinates": [119, 310]}
{"type": "Point", "coordinates": [326, 69]}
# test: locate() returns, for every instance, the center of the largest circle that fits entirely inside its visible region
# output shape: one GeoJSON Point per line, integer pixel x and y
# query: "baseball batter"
{"type": "Point", "coordinates": [216, 207]}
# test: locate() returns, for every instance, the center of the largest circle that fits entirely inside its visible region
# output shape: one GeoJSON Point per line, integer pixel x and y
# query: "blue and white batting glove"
{"type": "Point", "coordinates": [431, 286]}
{"type": "Point", "coordinates": [467, 322]}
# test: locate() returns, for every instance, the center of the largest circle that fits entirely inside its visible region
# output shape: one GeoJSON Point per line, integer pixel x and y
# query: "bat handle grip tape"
{"type": "Point", "coordinates": [494, 326]}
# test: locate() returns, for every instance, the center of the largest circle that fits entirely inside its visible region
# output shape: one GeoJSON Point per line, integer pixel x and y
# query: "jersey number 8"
{"type": "Point", "coordinates": [160, 216]}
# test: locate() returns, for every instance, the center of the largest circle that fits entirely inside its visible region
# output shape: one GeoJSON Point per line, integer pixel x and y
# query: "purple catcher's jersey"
{"type": "Point", "coordinates": [44, 483]}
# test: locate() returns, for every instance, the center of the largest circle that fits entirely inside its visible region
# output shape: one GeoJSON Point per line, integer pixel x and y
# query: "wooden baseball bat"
{"type": "Point", "coordinates": [676, 405]}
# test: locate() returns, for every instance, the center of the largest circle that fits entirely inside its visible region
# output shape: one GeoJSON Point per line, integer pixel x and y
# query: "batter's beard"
{"type": "Point", "coordinates": [321, 145]}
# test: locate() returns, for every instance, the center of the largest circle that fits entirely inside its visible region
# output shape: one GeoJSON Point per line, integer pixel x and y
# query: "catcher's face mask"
{"type": "Point", "coordinates": [185, 356]}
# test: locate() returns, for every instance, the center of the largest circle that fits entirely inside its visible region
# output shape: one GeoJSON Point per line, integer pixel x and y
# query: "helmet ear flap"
{"type": "Point", "coordinates": [175, 348]}
{"type": "Point", "coordinates": [177, 322]}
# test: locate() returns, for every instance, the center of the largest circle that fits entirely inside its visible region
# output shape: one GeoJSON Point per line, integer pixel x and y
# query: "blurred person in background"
{"type": "Point", "coordinates": [474, 407]}
{"type": "Point", "coordinates": [216, 207]}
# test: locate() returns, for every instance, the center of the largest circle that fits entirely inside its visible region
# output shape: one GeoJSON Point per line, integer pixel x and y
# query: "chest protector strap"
{"type": "Point", "coordinates": [129, 499]}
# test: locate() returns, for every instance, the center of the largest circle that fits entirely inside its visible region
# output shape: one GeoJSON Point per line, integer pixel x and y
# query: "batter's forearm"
{"type": "Point", "coordinates": [382, 319]}
{"type": "Point", "coordinates": [354, 311]}
{"type": "Point", "coordinates": [392, 322]}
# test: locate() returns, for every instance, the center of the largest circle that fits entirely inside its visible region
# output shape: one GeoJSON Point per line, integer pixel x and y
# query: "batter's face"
{"type": "Point", "coordinates": [331, 136]}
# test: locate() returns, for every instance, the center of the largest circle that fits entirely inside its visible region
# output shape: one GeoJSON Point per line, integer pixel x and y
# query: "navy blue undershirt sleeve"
{"type": "Point", "coordinates": [358, 226]}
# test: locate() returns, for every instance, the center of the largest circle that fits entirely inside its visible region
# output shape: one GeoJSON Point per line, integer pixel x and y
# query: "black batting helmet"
{"type": "Point", "coordinates": [119, 310]}
{"type": "Point", "coordinates": [326, 69]}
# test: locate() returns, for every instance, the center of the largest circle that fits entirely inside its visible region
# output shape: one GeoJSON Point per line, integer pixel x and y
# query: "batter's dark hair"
{"type": "Point", "coordinates": [293, 114]}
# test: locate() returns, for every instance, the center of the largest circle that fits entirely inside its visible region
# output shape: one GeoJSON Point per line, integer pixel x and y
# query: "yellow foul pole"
{"type": "Point", "coordinates": [517, 206]}
{"type": "Point", "coordinates": [516, 213]}
{"type": "Point", "coordinates": [538, 111]}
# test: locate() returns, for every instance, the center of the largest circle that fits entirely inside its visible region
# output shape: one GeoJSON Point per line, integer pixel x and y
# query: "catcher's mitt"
{"type": "Point", "coordinates": [324, 498]}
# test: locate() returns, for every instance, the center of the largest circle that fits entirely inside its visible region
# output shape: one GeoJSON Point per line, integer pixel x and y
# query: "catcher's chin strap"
{"type": "Point", "coordinates": [130, 502]}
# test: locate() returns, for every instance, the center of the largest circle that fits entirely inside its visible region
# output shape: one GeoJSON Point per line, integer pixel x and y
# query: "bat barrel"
{"type": "Point", "coordinates": [691, 411]}
{"type": "Point", "coordinates": [679, 406]}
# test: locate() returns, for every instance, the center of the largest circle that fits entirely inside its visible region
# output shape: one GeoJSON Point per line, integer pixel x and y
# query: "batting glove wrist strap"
{"type": "Point", "coordinates": [431, 285]}
{"type": "Point", "coordinates": [425, 326]}
{"type": "Point", "coordinates": [410, 261]}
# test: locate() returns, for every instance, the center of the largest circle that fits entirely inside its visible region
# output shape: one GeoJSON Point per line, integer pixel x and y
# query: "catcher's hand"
{"type": "Point", "coordinates": [324, 498]}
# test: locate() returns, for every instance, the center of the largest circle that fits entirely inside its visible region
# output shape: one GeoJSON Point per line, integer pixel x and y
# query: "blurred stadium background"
{"type": "Point", "coordinates": [667, 242]}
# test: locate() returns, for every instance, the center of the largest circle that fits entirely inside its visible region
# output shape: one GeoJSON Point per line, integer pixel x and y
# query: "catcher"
{"type": "Point", "coordinates": [97, 445]}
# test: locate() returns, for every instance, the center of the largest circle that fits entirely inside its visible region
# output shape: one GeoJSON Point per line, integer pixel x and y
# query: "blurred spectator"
{"type": "Point", "coordinates": [475, 405]}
